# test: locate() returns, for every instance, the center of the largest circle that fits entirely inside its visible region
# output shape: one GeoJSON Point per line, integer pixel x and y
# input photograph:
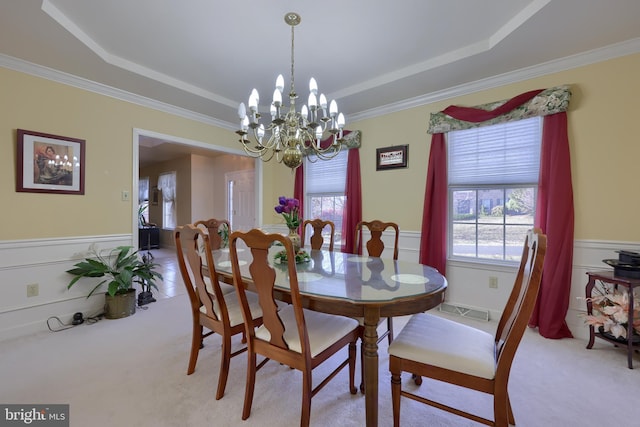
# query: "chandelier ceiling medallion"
{"type": "Point", "coordinates": [291, 134]}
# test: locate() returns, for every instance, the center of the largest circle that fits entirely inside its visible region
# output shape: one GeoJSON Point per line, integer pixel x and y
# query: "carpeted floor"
{"type": "Point", "coordinates": [132, 372]}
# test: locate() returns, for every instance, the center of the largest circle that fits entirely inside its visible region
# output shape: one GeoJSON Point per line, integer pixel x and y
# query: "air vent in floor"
{"type": "Point", "coordinates": [472, 313]}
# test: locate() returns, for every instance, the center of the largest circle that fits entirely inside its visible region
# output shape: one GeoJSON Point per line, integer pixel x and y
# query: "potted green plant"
{"type": "Point", "coordinates": [142, 207]}
{"type": "Point", "coordinates": [146, 296]}
{"type": "Point", "coordinates": [121, 268]}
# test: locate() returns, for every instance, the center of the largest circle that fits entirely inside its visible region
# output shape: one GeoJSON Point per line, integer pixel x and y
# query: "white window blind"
{"type": "Point", "coordinates": [167, 184]}
{"type": "Point", "coordinates": [507, 153]}
{"type": "Point", "coordinates": [143, 189]}
{"type": "Point", "coordinates": [326, 176]}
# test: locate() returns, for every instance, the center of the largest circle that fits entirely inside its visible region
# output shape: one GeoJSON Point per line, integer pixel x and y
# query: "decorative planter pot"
{"type": "Point", "coordinates": [120, 305]}
{"type": "Point", "coordinates": [295, 239]}
{"type": "Point", "coordinates": [145, 297]}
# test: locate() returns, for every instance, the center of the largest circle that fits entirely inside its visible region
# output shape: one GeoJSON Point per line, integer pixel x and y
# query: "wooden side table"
{"type": "Point", "coordinates": [148, 238]}
{"type": "Point", "coordinates": [608, 277]}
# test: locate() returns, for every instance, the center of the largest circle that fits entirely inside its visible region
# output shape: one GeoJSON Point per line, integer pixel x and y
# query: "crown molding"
{"type": "Point", "coordinates": [101, 89]}
{"type": "Point", "coordinates": [628, 47]}
{"type": "Point", "coordinates": [597, 55]}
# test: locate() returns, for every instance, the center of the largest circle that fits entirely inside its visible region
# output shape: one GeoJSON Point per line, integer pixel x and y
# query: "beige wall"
{"type": "Point", "coordinates": [604, 144]}
{"type": "Point", "coordinates": [602, 134]}
{"type": "Point", "coordinates": [107, 125]}
{"type": "Point", "coordinates": [42, 234]}
{"type": "Point", "coordinates": [203, 198]}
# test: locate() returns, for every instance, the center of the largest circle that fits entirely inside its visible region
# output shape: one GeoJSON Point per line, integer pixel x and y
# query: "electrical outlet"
{"type": "Point", "coordinates": [33, 290]}
{"type": "Point", "coordinates": [493, 282]}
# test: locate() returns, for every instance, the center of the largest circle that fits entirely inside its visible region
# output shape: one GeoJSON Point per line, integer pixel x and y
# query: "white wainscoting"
{"type": "Point", "coordinates": [469, 283]}
{"type": "Point", "coordinates": [45, 262]}
{"type": "Point", "coordinates": [588, 256]}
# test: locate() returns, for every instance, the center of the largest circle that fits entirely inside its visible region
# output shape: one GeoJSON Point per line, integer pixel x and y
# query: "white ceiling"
{"type": "Point", "coordinates": [372, 56]}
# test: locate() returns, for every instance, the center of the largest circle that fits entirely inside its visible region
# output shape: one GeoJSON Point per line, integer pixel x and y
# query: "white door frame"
{"type": "Point", "coordinates": [137, 133]}
{"type": "Point", "coordinates": [233, 176]}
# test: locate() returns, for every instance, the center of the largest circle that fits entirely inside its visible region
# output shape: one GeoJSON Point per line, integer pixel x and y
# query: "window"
{"type": "Point", "coordinates": [230, 204]}
{"type": "Point", "coordinates": [143, 200]}
{"type": "Point", "coordinates": [324, 191]}
{"type": "Point", "coordinates": [493, 181]}
{"type": "Point", "coordinates": [167, 184]}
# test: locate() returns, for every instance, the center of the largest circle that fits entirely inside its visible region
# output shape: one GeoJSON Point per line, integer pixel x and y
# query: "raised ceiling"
{"type": "Point", "coordinates": [205, 56]}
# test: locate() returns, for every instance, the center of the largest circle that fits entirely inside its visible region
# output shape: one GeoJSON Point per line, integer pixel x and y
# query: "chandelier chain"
{"type": "Point", "coordinates": [292, 59]}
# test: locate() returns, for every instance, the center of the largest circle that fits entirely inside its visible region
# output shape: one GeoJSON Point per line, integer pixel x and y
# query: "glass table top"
{"type": "Point", "coordinates": [346, 276]}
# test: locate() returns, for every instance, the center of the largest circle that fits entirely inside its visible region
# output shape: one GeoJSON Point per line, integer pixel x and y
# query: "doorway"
{"type": "Point", "coordinates": [241, 200]}
{"type": "Point", "coordinates": [164, 145]}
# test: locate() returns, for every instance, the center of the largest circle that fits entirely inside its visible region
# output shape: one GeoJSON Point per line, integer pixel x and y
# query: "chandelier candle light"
{"type": "Point", "coordinates": [291, 134]}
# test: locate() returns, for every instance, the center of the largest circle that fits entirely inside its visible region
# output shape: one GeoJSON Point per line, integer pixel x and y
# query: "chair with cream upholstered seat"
{"type": "Point", "coordinates": [210, 308]}
{"type": "Point", "coordinates": [447, 351]}
{"type": "Point", "coordinates": [375, 247]}
{"type": "Point", "coordinates": [318, 225]}
{"type": "Point", "coordinates": [219, 230]}
{"type": "Point", "coordinates": [297, 337]}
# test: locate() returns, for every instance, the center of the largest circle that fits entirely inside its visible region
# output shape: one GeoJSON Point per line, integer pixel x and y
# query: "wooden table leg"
{"type": "Point", "coordinates": [370, 349]}
{"type": "Point", "coordinates": [588, 290]}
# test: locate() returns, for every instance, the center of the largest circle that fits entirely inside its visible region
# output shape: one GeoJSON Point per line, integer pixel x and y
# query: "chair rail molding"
{"type": "Point", "coordinates": [469, 282]}
{"type": "Point", "coordinates": [44, 262]}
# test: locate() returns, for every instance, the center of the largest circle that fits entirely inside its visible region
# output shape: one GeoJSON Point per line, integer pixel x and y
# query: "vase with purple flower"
{"type": "Point", "coordinates": [289, 208]}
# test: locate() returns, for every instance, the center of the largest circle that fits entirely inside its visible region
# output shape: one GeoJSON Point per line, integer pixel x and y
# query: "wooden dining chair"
{"type": "Point", "coordinates": [216, 229]}
{"type": "Point", "coordinates": [444, 350]}
{"type": "Point", "coordinates": [375, 247]}
{"type": "Point", "coordinates": [318, 225]}
{"type": "Point", "coordinates": [299, 338]}
{"type": "Point", "coordinates": [211, 309]}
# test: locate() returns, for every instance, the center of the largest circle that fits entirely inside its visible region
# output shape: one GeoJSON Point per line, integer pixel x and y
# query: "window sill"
{"type": "Point", "coordinates": [488, 265]}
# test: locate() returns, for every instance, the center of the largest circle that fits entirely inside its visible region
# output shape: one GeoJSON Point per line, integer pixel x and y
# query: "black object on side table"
{"type": "Point", "coordinates": [148, 238]}
{"type": "Point", "coordinates": [604, 278]}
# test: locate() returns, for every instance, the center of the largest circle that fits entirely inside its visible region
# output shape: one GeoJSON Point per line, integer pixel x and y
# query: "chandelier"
{"type": "Point", "coordinates": [291, 135]}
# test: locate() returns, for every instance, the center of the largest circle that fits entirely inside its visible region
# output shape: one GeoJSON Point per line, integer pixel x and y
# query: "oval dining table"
{"type": "Point", "coordinates": [357, 286]}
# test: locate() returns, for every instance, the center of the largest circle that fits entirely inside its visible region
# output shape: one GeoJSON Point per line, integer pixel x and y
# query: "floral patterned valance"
{"type": "Point", "coordinates": [549, 101]}
{"type": "Point", "coordinates": [351, 139]}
